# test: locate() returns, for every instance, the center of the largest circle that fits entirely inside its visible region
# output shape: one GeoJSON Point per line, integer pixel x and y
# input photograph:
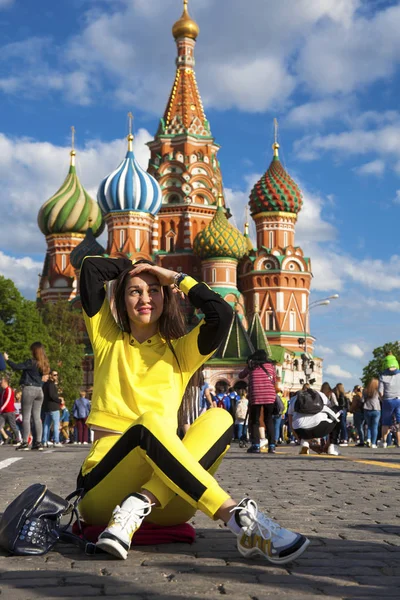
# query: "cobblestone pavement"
{"type": "Point", "coordinates": [348, 506]}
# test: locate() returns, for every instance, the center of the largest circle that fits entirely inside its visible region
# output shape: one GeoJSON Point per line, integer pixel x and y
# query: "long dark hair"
{"type": "Point", "coordinates": [40, 358]}
{"type": "Point", "coordinates": [171, 323]}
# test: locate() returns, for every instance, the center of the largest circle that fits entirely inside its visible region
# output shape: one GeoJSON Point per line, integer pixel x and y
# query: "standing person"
{"type": "Point", "coordinates": [389, 389]}
{"type": "Point", "coordinates": [206, 400]}
{"type": "Point", "coordinates": [343, 404]}
{"type": "Point", "coordinates": [262, 382]}
{"type": "Point", "coordinates": [279, 416]}
{"type": "Point", "coordinates": [64, 422]}
{"type": "Point", "coordinates": [51, 409]}
{"type": "Point", "coordinates": [7, 410]}
{"type": "Point", "coordinates": [357, 408]}
{"type": "Point", "coordinates": [139, 468]}
{"type": "Point", "coordinates": [242, 406]}
{"type": "Point", "coordinates": [31, 382]}
{"type": "Point", "coordinates": [80, 412]}
{"type": "Point", "coordinates": [372, 411]}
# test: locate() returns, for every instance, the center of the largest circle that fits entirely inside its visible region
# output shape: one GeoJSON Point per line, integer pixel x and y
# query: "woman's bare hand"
{"type": "Point", "coordinates": [5, 355]}
{"type": "Point", "coordinates": [164, 276]}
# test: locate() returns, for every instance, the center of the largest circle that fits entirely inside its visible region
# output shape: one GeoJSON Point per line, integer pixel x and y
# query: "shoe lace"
{"type": "Point", "coordinates": [259, 523]}
{"type": "Point", "coordinates": [133, 518]}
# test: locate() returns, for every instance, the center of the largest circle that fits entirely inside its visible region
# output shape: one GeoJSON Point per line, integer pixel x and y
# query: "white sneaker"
{"type": "Point", "coordinates": [382, 444]}
{"type": "Point", "coordinates": [333, 450]}
{"type": "Point", "coordinates": [58, 445]}
{"type": "Point", "coordinates": [263, 443]}
{"type": "Point", "coordinates": [304, 447]}
{"type": "Point", "coordinates": [368, 443]}
{"type": "Point", "coordinates": [125, 521]}
{"type": "Point", "coordinates": [344, 444]}
{"type": "Point", "coordinates": [374, 446]}
{"type": "Point", "coordinates": [261, 535]}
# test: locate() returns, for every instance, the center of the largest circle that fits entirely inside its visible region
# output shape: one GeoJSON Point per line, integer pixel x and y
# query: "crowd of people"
{"type": "Point", "coordinates": [35, 416]}
{"type": "Point", "coordinates": [266, 417]}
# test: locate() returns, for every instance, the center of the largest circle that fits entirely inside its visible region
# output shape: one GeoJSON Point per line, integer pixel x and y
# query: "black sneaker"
{"type": "Point", "coordinates": [253, 450]}
{"type": "Point", "coordinates": [23, 446]}
{"type": "Point", "coordinates": [37, 447]}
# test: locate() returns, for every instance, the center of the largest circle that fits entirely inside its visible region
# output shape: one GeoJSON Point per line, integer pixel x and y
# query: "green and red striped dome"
{"type": "Point", "coordinates": [275, 191]}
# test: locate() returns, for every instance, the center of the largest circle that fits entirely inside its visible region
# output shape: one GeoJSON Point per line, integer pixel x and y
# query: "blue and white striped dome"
{"type": "Point", "coordinates": [129, 187]}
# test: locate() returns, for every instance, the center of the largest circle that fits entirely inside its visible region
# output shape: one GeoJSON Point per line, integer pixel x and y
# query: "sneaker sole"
{"type": "Point", "coordinates": [112, 547]}
{"type": "Point", "coordinates": [276, 561]}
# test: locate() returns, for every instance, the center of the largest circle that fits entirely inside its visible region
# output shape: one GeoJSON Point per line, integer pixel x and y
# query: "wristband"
{"type": "Point", "coordinates": [179, 278]}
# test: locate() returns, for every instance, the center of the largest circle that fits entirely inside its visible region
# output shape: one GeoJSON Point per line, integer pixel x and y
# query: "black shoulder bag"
{"type": "Point", "coordinates": [31, 524]}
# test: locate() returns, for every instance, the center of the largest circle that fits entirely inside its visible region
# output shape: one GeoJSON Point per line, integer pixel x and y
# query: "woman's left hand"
{"type": "Point", "coordinates": [5, 355]}
{"type": "Point", "coordinates": [164, 276]}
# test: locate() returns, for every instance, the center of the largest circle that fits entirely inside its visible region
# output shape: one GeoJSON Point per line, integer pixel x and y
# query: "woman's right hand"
{"type": "Point", "coordinates": [5, 355]}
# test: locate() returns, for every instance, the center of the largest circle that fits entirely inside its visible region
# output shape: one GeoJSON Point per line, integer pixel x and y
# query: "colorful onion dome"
{"type": "Point", "coordinates": [130, 187]}
{"type": "Point", "coordinates": [88, 247]}
{"type": "Point", "coordinates": [71, 209]}
{"type": "Point", "coordinates": [185, 26]}
{"type": "Point", "coordinates": [220, 238]}
{"type": "Point", "coordinates": [276, 191]}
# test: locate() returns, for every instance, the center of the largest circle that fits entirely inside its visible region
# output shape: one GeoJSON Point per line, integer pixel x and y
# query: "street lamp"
{"type": "Point", "coordinates": [305, 358]}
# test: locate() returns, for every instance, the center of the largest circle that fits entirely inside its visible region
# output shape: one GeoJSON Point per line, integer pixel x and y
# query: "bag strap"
{"type": "Point", "coordinates": [268, 374]}
{"type": "Point", "coordinates": [67, 536]}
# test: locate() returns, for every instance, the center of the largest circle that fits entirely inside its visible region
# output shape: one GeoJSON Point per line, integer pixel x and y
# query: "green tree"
{"type": "Point", "coordinates": [20, 325]}
{"type": "Point", "coordinates": [65, 329]}
{"type": "Point", "coordinates": [375, 366]}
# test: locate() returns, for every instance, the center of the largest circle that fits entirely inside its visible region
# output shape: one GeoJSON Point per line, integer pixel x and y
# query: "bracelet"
{"type": "Point", "coordinates": [179, 277]}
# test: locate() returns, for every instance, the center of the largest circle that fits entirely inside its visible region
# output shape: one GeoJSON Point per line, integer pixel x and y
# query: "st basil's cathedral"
{"type": "Point", "coordinates": [175, 214]}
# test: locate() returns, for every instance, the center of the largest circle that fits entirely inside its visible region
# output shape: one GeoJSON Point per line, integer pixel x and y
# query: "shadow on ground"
{"type": "Point", "coordinates": [211, 567]}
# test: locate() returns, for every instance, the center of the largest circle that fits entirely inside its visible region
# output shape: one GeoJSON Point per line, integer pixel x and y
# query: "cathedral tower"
{"type": "Point", "coordinates": [275, 279]}
{"type": "Point", "coordinates": [184, 159]}
{"type": "Point", "coordinates": [64, 219]}
{"type": "Point", "coordinates": [130, 199]}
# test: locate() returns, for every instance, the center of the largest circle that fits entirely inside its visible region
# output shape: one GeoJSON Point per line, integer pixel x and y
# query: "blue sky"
{"type": "Point", "coordinates": [327, 69]}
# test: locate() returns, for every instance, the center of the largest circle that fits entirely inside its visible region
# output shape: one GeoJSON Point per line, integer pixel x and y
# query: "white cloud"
{"type": "Point", "coordinates": [383, 140]}
{"type": "Point", "coordinates": [6, 3]}
{"type": "Point", "coordinates": [375, 167]}
{"type": "Point", "coordinates": [369, 50]}
{"type": "Point", "coordinates": [125, 51]}
{"type": "Point", "coordinates": [337, 371]}
{"type": "Point", "coordinates": [352, 350]}
{"type": "Point", "coordinates": [323, 350]}
{"type": "Point", "coordinates": [383, 305]}
{"type": "Point", "coordinates": [23, 271]}
{"type": "Point", "coordinates": [397, 197]}
{"type": "Point", "coordinates": [317, 112]}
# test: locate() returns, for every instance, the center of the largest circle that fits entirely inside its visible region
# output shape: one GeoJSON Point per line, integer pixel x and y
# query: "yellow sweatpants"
{"type": "Point", "coordinates": [148, 455]}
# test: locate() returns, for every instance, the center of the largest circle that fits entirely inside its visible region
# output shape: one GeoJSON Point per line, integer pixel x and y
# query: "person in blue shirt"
{"type": "Point", "coordinates": [80, 412]}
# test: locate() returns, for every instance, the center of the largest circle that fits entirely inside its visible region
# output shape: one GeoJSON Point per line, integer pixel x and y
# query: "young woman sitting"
{"type": "Point", "coordinates": [138, 467]}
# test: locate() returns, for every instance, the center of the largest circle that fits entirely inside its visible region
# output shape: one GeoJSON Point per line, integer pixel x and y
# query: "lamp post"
{"type": "Point", "coordinates": [305, 358]}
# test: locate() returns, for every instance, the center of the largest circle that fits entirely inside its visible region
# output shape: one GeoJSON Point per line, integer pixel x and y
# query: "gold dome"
{"type": "Point", "coordinates": [185, 26]}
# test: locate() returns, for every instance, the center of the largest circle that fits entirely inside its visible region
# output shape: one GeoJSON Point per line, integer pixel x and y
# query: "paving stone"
{"type": "Point", "coordinates": [348, 510]}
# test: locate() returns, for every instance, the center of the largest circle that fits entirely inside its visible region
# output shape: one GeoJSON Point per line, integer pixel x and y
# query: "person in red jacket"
{"type": "Point", "coordinates": [7, 410]}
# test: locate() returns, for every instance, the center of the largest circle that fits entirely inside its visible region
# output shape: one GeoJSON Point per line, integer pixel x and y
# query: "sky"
{"type": "Point", "coordinates": [328, 70]}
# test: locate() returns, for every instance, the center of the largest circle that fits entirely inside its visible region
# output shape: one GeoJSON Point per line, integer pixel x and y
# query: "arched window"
{"type": "Point", "coordinates": [259, 282]}
{"type": "Point", "coordinates": [63, 261]}
{"type": "Point", "coordinates": [271, 239]}
{"type": "Point", "coordinates": [195, 228]}
{"type": "Point", "coordinates": [121, 238]}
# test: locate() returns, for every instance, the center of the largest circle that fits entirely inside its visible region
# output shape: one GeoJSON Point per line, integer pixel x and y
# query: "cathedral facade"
{"type": "Point", "coordinates": [175, 214]}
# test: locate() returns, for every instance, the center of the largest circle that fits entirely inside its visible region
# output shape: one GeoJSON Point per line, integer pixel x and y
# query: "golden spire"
{"type": "Point", "coordinates": [185, 26]}
{"type": "Point", "coordinates": [275, 145]}
{"type": "Point", "coordinates": [220, 203]}
{"type": "Point", "coordinates": [73, 152]}
{"type": "Point", "coordinates": [246, 225]}
{"type": "Point", "coordinates": [130, 134]}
